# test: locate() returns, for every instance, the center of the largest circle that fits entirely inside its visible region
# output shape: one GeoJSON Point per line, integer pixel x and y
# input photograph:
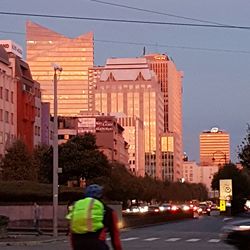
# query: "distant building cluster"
{"type": "Point", "coordinates": [132, 105]}
{"type": "Point", "coordinates": [214, 153]}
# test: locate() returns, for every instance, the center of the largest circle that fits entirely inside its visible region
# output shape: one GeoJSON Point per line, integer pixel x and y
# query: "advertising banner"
{"type": "Point", "coordinates": [226, 189]}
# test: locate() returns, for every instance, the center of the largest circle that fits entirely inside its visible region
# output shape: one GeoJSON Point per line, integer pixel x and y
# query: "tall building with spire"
{"type": "Point", "coordinates": [45, 48]}
{"type": "Point", "coordinates": [214, 147]}
{"type": "Point", "coordinates": [170, 81]}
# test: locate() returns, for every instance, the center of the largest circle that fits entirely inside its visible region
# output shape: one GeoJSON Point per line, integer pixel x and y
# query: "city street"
{"type": "Point", "coordinates": [190, 234]}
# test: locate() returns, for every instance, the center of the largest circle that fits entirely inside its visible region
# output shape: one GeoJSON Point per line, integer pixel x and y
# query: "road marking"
{"type": "Point", "coordinates": [214, 240]}
{"type": "Point", "coordinates": [129, 239]}
{"type": "Point", "coordinates": [173, 239]}
{"type": "Point", "coordinates": [193, 240]}
{"type": "Point", "coordinates": [151, 239]}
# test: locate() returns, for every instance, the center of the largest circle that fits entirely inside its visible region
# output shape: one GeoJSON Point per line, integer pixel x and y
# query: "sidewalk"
{"type": "Point", "coordinates": [24, 239]}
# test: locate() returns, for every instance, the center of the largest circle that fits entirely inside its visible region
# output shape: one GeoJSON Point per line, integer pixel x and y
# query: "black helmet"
{"type": "Point", "coordinates": [94, 191]}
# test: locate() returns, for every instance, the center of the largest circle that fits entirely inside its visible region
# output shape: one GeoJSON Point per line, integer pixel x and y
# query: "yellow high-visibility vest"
{"type": "Point", "coordinates": [86, 216]}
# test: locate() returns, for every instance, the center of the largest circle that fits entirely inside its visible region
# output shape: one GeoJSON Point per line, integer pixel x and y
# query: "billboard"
{"type": "Point", "coordinates": [226, 189]}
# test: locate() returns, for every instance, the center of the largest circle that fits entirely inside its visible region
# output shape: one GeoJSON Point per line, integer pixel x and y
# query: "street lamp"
{"type": "Point", "coordinates": [224, 156]}
{"type": "Point", "coordinates": [55, 156]}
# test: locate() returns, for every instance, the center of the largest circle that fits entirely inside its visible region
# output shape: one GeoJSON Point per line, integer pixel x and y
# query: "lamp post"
{"type": "Point", "coordinates": [55, 157]}
{"type": "Point", "coordinates": [224, 157]}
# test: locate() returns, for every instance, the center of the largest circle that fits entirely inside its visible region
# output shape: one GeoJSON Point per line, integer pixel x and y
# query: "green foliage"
{"type": "Point", "coordinates": [80, 158]}
{"type": "Point", "coordinates": [17, 163]}
{"type": "Point", "coordinates": [27, 191]}
{"type": "Point", "coordinates": [244, 150]}
{"type": "Point", "coordinates": [43, 161]}
{"type": "Point", "coordinates": [4, 220]}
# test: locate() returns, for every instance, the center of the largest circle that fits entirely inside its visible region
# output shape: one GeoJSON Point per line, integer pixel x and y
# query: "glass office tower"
{"type": "Point", "coordinates": [75, 56]}
{"type": "Point", "coordinates": [128, 86]}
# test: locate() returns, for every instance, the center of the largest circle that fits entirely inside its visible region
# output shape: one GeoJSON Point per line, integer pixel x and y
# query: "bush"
{"type": "Point", "coordinates": [4, 220]}
{"type": "Point", "coordinates": [26, 191]}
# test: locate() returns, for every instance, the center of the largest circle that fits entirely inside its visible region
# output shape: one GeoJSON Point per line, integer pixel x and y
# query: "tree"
{"type": "Point", "coordinates": [240, 181]}
{"type": "Point", "coordinates": [18, 164]}
{"type": "Point", "coordinates": [244, 150]}
{"type": "Point", "coordinates": [43, 162]}
{"type": "Point", "coordinates": [80, 158]}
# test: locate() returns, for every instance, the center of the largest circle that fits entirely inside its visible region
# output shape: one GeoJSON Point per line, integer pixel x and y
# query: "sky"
{"type": "Point", "coordinates": [215, 61]}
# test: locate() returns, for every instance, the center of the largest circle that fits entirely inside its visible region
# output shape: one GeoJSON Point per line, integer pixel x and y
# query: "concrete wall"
{"type": "Point", "coordinates": [26, 212]}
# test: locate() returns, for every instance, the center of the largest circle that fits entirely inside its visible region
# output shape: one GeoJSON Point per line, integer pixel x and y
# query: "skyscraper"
{"type": "Point", "coordinates": [127, 85]}
{"type": "Point", "coordinates": [45, 48]}
{"type": "Point", "coordinates": [170, 80]}
{"type": "Point", "coordinates": [214, 147]}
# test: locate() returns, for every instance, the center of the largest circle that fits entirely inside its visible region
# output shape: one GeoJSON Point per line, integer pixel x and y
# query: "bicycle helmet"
{"type": "Point", "coordinates": [94, 191]}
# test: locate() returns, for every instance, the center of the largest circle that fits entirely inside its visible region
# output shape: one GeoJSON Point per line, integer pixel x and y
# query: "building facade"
{"type": "Point", "coordinates": [214, 147]}
{"type": "Point", "coordinates": [108, 132]}
{"type": "Point", "coordinates": [134, 135]}
{"type": "Point", "coordinates": [47, 125]}
{"type": "Point", "coordinates": [170, 80]}
{"type": "Point", "coordinates": [46, 48]}
{"type": "Point", "coordinates": [193, 173]}
{"type": "Point", "coordinates": [127, 85]}
{"type": "Point", "coordinates": [37, 123]}
{"type": "Point", "coordinates": [8, 103]}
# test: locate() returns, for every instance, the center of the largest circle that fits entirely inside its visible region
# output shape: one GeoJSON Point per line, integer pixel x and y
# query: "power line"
{"type": "Point", "coordinates": [157, 12]}
{"type": "Point", "coordinates": [125, 21]}
{"type": "Point", "coordinates": [149, 44]}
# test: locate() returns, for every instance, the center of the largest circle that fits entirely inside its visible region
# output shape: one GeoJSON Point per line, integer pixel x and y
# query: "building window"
{"type": "Point", "coordinates": [1, 115]}
{"type": "Point", "coordinates": [7, 95]}
{"type": "Point", "coordinates": [1, 92]}
{"type": "Point", "coordinates": [1, 137]}
{"type": "Point", "coordinates": [12, 97]}
{"type": "Point", "coordinates": [6, 118]}
{"type": "Point", "coordinates": [12, 118]}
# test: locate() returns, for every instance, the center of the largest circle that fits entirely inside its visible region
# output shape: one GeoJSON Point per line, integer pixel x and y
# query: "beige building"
{"type": "Point", "coordinates": [170, 80]}
{"type": "Point", "coordinates": [46, 48]}
{"type": "Point", "coordinates": [134, 135]}
{"type": "Point", "coordinates": [8, 102]}
{"type": "Point", "coordinates": [127, 85]}
{"type": "Point", "coordinates": [193, 173]}
{"type": "Point", "coordinates": [214, 147]}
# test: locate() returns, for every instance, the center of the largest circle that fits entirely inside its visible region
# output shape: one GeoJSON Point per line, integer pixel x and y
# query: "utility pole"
{"type": "Point", "coordinates": [55, 157]}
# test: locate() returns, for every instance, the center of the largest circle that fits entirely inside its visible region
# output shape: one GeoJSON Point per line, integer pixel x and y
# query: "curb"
{"type": "Point", "coordinates": [30, 242]}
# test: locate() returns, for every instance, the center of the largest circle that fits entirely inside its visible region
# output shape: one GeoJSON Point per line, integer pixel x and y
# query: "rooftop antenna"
{"type": "Point", "coordinates": [144, 51]}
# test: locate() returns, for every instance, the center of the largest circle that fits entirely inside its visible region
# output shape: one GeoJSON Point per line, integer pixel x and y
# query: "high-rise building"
{"type": "Point", "coordinates": [127, 85]}
{"type": "Point", "coordinates": [46, 48]}
{"type": "Point", "coordinates": [170, 80]}
{"type": "Point", "coordinates": [214, 147]}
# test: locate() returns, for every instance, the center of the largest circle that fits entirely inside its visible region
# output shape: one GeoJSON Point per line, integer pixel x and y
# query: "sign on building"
{"type": "Point", "coordinates": [86, 125]}
{"type": "Point", "coordinates": [226, 189]}
{"type": "Point", "coordinates": [12, 47]}
{"type": "Point", "coordinates": [104, 126]}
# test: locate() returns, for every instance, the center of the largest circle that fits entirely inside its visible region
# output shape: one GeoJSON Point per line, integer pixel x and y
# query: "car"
{"type": "Point", "coordinates": [153, 208]}
{"type": "Point", "coordinates": [165, 207]}
{"type": "Point", "coordinates": [205, 209]}
{"type": "Point", "coordinates": [237, 233]}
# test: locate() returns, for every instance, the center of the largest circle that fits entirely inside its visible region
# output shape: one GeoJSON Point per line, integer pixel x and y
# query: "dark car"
{"type": "Point", "coordinates": [205, 209]}
{"type": "Point", "coordinates": [237, 233]}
